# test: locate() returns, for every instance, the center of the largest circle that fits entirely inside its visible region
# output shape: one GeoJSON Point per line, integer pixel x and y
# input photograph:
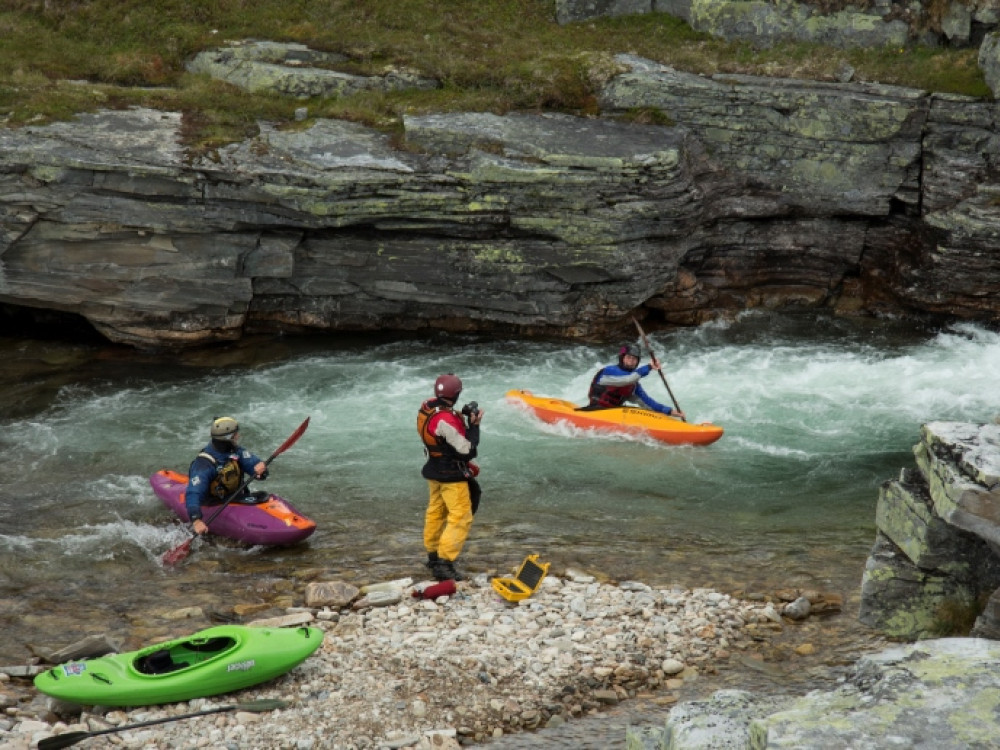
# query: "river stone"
{"type": "Point", "coordinates": [672, 666]}
{"type": "Point", "coordinates": [284, 621]}
{"type": "Point", "coordinates": [330, 594]}
{"type": "Point", "coordinates": [797, 610]}
{"type": "Point", "coordinates": [86, 648]}
{"type": "Point", "coordinates": [295, 70]}
{"type": "Point", "coordinates": [722, 722]}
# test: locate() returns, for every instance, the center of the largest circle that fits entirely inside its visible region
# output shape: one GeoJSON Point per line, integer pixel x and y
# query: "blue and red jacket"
{"type": "Point", "coordinates": [214, 475]}
{"type": "Point", "coordinates": [614, 385]}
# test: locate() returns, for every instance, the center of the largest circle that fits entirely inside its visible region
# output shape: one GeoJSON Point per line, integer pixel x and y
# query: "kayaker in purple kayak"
{"type": "Point", "coordinates": [615, 385]}
{"type": "Point", "coordinates": [217, 472]}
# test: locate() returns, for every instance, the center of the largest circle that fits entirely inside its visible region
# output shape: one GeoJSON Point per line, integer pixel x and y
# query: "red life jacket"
{"type": "Point", "coordinates": [609, 396]}
{"type": "Point", "coordinates": [427, 417]}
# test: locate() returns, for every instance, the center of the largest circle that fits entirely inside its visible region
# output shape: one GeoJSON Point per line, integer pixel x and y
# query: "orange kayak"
{"type": "Point", "coordinates": [625, 419]}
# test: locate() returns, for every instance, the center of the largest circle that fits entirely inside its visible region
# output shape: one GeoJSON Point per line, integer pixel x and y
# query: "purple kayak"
{"type": "Point", "coordinates": [271, 520]}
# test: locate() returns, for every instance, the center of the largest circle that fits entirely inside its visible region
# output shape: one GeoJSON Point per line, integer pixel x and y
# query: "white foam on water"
{"type": "Point", "coordinates": [809, 408]}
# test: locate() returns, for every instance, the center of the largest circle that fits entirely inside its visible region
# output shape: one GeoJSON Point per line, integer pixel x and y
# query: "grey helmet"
{"type": "Point", "coordinates": [626, 350]}
{"type": "Point", "coordinates": [225, 428]}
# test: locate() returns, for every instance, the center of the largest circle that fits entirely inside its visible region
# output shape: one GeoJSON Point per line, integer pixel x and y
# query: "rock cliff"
{"type": "Point", "coordinates": [935, 565]}
{"type": "Point", "coordinates": [747, 192]}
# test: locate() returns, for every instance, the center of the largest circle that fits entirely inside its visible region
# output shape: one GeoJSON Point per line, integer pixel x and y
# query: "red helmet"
{"type": "Point", "coordinates": [448, 386]}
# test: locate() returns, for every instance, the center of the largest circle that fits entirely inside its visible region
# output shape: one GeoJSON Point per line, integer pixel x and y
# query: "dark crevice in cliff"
{"type": "Point", "coordinates": [898, 207]}
{"type": "Point", "coordinates": [53, 325]}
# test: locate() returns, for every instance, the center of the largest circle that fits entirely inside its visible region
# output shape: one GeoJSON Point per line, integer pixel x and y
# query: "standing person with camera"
{"type": "Point", "coordinates": [450, 443]}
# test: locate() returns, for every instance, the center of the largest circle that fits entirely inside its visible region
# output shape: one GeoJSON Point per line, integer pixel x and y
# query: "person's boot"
{"type": "Point", "coordinates": [432, 560]}
{"type": "Point", "coordinates": [444, 570]}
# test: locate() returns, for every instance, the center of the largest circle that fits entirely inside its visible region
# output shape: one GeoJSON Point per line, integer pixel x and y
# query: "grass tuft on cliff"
{"type": "Point", "coordinates": [60, 57]}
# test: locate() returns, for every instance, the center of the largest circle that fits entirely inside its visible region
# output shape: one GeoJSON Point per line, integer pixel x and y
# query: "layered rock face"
{"type": "Point", "coordinates": [756, 192]}
{"type": "Point", "coordinates": [936, 559]}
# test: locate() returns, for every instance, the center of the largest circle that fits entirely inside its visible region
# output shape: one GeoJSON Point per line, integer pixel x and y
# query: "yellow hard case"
{"type": "Point", "coordinates": [525, 582]}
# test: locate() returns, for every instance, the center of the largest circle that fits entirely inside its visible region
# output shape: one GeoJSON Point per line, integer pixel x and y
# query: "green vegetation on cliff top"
{"type": "Point", "coordinates": [59, 57]}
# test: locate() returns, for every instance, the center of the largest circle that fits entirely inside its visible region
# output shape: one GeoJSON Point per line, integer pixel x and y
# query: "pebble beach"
{"type": "Point", "coordinates": [463, 669]}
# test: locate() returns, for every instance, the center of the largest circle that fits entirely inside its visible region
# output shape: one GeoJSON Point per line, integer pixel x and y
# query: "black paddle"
{"type": "Point", "coordinates": [653, 356]}
{"type": "Point", "coordinates": [178, 553]}
{"type": "Point", "coordinates": [71, 738]}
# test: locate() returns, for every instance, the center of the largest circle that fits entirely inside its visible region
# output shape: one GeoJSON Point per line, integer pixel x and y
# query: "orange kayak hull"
{"type": "Point", "coordinates": [627, 420]}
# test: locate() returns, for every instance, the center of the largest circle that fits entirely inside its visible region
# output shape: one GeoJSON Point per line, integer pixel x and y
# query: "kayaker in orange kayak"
{"type": "Point", "coordinates": [615, 385]}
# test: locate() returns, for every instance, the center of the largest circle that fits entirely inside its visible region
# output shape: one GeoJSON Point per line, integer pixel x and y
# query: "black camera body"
{"type": "Point", "coordinates": [470, 409]}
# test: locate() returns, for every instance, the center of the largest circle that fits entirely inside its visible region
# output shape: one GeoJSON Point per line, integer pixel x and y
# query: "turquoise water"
{"type": "Point", "coordinates": [818, 413]}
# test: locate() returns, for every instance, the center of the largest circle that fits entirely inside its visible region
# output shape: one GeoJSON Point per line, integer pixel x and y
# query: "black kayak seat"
{"type": "Point", "coordinates": [254, 498]}
{"type": "Point", "coordinates": [159, 662]}
{"type": "Point", "coordinates": [249, 498]}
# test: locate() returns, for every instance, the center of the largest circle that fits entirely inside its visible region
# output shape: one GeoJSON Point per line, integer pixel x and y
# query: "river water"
{"type": "Point", "coordinates": [818, 413]}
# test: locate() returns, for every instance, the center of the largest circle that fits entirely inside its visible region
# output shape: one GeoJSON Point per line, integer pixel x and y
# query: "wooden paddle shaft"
{"type": "Point", "coordinates": [645, 341]}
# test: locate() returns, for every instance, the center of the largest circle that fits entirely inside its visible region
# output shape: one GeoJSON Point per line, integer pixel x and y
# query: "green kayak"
{"type": "Point", "coordinates": [209, 662]}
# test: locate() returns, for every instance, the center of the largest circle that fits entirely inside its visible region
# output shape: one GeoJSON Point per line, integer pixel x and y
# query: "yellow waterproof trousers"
{"type": "Point", "coordinates": [448, 518]}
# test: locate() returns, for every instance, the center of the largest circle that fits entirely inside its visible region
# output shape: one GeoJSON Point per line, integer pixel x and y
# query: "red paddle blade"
{"type": "Point", "coordinates": [291, 439]}
{"type": "Point", "coordinates": [178, 553]}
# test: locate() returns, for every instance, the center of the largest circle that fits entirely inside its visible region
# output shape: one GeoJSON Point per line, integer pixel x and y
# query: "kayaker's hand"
{"type": "Point", "coordinates": [199, 527]}
{"type": "Point", "coordinates": [654, 363]}
{"type": "Point", "coordinates": [476, 417]}
{"type": "Point", "coordinates": [260, 470]}
{"type": "Point", "coordinates": [678, 413]}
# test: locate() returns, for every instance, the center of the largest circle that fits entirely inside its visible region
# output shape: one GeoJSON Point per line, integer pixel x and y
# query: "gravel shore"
{"type": "Point", "coordinates": [461, 669]}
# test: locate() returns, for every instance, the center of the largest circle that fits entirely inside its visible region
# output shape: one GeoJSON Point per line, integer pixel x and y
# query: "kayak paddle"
{"type": "Point", "coordinates": [178, 553]}
{"type": "Point", "coordinates": [71, 738]}
{"type": "Point", "coordinates": [653, 356]}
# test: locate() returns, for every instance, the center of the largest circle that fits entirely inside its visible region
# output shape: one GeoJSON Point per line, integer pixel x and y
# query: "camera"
{"type": "Point", "coordinates": [471, 409]}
